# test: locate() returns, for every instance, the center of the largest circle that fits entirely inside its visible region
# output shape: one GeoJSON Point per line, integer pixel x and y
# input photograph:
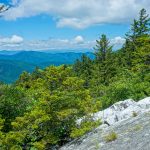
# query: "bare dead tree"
{"type": "Point", "coordinates": [4, 8]}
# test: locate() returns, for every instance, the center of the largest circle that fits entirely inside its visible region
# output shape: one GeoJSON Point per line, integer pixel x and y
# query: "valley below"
{"type": "Point", "coordinates": [12, 64]}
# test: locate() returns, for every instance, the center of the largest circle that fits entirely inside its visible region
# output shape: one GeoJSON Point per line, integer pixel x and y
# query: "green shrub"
{"type": "Point", "coordinates": [111, 137]}
{"type": "Point", "coordinates": [134, 114]}
{"type": "Point", "coordinates": [13, 103]}
{"type": "Point", "coordinates": [117, 91]}
{"type": "Point", "coordinates": [84, 128]}
{"type": "Point", "coordinates": [137, 128]}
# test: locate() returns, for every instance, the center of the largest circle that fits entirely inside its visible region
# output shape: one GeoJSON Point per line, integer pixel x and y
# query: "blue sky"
{"type": "Point", "coordinates": [65, 24]}
{"type": "Point", "coordinates": [44, 27]}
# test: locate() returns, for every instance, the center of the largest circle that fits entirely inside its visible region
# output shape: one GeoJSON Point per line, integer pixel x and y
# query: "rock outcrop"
{"type": "Point", "coordinates": [128, 119]}
{"type": "Point", "coordinates": [123, 110]}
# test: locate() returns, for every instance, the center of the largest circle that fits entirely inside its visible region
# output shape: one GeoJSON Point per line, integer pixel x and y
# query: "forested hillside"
{"type": "Point", "coordinates": [12, 64]}
{"type": "Point", "coordinates": [10, 70]}
{"type": "Point", "coordinates": [40, 110]}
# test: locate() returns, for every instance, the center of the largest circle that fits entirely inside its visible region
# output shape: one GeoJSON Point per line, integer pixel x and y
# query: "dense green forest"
{"type": "Point", "coordinates": [13, 63]}
{"type": "Point", "coordinates": [40, 110]}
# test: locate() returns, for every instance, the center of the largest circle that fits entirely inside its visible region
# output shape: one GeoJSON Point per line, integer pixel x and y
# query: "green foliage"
{"type": "Point", "coordinates": [104, 69]}
{"type": "Point", "coordinates": [124, 73]}
{"type": "Point", "coordinates": [13, 103]}
{"type": "Point", "coordinates": [102, 49]}
{"type": "Point", "coordinates": [12, 64]}
{"type": "Point", "coordinates": [124, 86]}
{"type": "Point", "coordinates": [139, 29]}
{"type": "Point", "coordinates": [10, 69]}
{"type": "Point", "coordinates": [42, 109]}
{"type": "Point", "coordinates": [137, 128]}
{"type": "Point", "coordinates": [59, 99]}
{"type": "Point", "coordinates": [111, 137]}
{"type": "Point", "coordinates": [84, 128]}
{"type": "Point", "coordinates": [134, 114]}
{"type": "Point", "coordinates": [141, 61]}
{"type": "Point", "coordinates": [1, 133]}
{"type": "Point", "coordinates": [116, 92]}
{"type": "Point", "coordinates": [83, 68]}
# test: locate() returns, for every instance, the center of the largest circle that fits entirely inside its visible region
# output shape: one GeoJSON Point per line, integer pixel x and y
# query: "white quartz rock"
{"type": "Point", "coordinates": [123, 110]}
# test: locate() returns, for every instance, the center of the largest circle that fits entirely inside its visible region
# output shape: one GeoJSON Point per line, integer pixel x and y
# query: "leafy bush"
{"type": "Point", "coordinates": [13, 103]}
{"type": "Point", "coordinates": [134, 114]}
{"type": "Point", "coordinates": [111, 137]}
{"type": "Point", "coordinates": [84, 128]}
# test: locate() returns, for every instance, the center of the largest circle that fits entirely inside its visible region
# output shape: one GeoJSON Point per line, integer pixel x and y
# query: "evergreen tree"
{"type": "Point", "coordinates": [83, 68]}
{"type": "Point", "coordinates": [143, 23]}
{"type": "Point", "coordinates": [141, 61]}
{"type": "Point", "coordinates": [140, 28]}
{"type": "Point", "coordinates": [102, 49]}
{"type": "Point", "coordinates": [103, 60]}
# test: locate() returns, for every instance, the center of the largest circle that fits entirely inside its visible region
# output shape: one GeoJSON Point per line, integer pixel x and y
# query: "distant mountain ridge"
{"type": "Point", "coordinates": [10, 70]}
{"type": "Point", "coordinates": [13, 63]}
{"type": "Point", "coordinates": [5, 52]}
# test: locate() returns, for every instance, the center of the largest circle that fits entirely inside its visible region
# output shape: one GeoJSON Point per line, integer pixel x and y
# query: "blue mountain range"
{"type": "Point", "coordinates": [13, 63]}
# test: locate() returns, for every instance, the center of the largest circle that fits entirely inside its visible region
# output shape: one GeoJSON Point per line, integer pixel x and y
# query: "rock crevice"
{"type": "Point", "coordinates": [128, 119]}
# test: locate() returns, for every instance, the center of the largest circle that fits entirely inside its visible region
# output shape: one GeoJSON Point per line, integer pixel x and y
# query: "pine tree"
{"type": "Point", "coordinates": [83, 68]}
{"type": "Point", "coordinates": [139, 29]}
{"type": "Point", "coordinates": [143, 23]}
{"type": "Point", "coordinates": [102, 49]}
{"type": "Point", "coordinates": [104, 68]}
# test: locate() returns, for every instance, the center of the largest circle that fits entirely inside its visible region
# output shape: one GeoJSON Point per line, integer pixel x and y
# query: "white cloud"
{"type": "Point", "coordinates": [117, 40]}
{"type": "Point", "coordinates": [14, 39]}
{"type": "Point", "coordinates": [78, 44]}
{"type": "Point", "coordinates": [18, 43]}
{"type": "Point", "coordinates": [79, 39]}
{"type": "Point", "coordinates": [80, 13]}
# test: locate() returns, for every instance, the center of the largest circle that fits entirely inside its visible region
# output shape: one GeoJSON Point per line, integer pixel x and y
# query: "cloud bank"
{"type": "Point", "coordinates": [14, 39]}
{"type": "Point", "coordinates": [16, 42]}
{"type": "Point", "coordinates": [79, 13]}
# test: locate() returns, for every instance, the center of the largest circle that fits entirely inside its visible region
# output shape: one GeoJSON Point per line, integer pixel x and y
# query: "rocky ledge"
{"type": "Point", "coordinates": [128, 120]}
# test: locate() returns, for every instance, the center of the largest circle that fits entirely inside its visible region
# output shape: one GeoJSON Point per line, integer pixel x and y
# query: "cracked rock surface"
{"type": "Point", "coordinates": [133, 132]}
